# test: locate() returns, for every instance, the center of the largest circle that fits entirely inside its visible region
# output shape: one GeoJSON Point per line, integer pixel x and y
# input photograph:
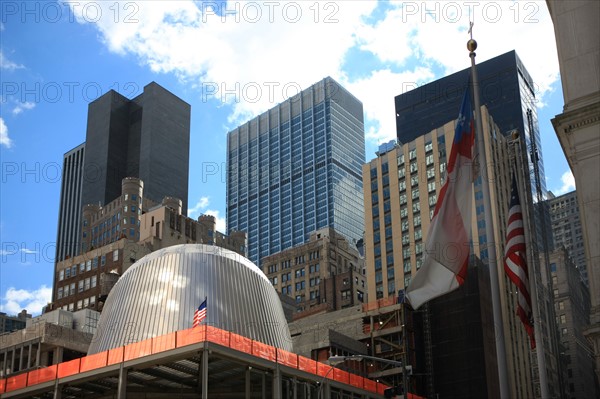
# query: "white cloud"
{"type": "Point", "coordinates": [22, 107]}
{"type": "Point", "coordinates": [568, 183]}
{"type": "Point", "coordinates": [220, 222]}
{"type": "Point", "coordinates": [436, 32]}
{"type": "Point", "coordinates": [16, 300]}
{"type": "Point", "coordinates": [4, 139]}
{"type": "Point", "coordinates": [247, 64]}
{"type": "Point", "coordinates": [200, 208]}
{"type": "Point", "coordinates": [7, 64]}
{"type": "Point", "coordinates": [28, 251]}
{"type": "Point", "coordinates": [377, 92]}
{"type": "Point", "coordinates": [271, 54]}
{"type": "Point", "coordinates": [202, 203]}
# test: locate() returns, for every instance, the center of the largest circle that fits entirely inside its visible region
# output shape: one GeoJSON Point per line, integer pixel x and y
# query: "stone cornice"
{"type": "Point", "coordinates": [571, 121]}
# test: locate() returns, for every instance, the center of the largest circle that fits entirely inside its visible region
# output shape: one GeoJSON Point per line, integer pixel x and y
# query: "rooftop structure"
{"type": "Point", "coordinates": [160, 292]}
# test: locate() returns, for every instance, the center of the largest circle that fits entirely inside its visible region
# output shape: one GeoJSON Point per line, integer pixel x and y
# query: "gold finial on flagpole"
{"type": "Point", "coordinates": [471, 44]}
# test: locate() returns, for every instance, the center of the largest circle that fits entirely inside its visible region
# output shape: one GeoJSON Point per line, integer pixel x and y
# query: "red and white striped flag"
{"type": "Point", "coordinates": [448, 240]}
{"type": "Point", "coordinates": [515, 262]}
{"type": "Point", "coordinates": [199, 314]}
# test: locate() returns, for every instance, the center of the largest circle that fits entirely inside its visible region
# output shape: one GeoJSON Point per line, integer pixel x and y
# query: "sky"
{"type": "Point", "coordinates": [230, 61]}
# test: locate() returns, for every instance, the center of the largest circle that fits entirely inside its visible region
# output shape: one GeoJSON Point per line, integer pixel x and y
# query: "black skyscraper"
{"type": "Point", "coordinates": [508, 91]}
{"type": "Point", "coordinates": [147, 137]}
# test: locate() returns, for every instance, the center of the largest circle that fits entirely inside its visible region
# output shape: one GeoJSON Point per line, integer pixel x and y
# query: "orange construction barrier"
{"type": "Point", "coordinates": [191, 336]}
{"type": "Point", "coordinates": [306, 364]}
{"type": "Point", "coordinates": [217, 336]}
{"type": "Point", "coordinates": [116, 355]}
{"type": "Point", "coordinates": [66, 369]}
{"type": "Point", "coordinates": [240, 343]}
{"type": "Point", "coordinates": [341, 376]}
{"type": "Point", "coordinates": [138, 349]}
{"type": "Point", "coordinates": [92, 362]}
{"type": "Point", "coordinates": [16, 382]}
{"type": "Point", "coordinates": [184, 338]}
{"type": "Point", "coordinates": [42, 375]}
{"type": "Point", "coordinates": [287, 358]}
{"type": "Point", "coordinates": [264, 351]}
{"type": "Point", "coordinates": [164, 343]}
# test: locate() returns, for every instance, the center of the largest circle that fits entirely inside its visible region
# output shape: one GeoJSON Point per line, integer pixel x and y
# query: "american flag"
{"type": "Point", "coordinates": [515, 263]}
{"type": "Point", "coordinates": [199, 314]}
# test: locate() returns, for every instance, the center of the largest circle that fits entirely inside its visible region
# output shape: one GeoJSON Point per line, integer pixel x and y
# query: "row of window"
{"type": "Point", "coordinates": [90, 264]}
{"type": "Point", "coordinates": [72, 289]}
{"type": "Point", "coordinates": [80, 304]}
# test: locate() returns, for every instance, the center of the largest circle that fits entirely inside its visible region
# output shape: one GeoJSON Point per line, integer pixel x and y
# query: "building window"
{"type": "Point", "coordinates": [88, 265]}
{"type": "Point", "coordinates": [103, 260]}
{"type": "Point", "coordinates": [93, 281]}
{"type": "Point", "coordinates": [59, 293]}
{"type": "Point", "coordinates": [115, 255]}
{"type": "Point", "coordinates": [80, 286]}
{"type": "Point", "coordinates": [400, 159]}
{"type": "Point", "coordinates": [61, 275]}
{"type": "Point", "coordinates": [415, 193]}
{"type": "Point", "coordinates": [346, 294]}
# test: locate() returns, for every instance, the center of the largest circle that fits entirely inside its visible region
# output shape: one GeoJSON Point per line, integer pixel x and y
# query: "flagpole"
{"type": "Point", "coordinates": [489, 232]}
{"type": "Point", "coordinates": [537, 324]}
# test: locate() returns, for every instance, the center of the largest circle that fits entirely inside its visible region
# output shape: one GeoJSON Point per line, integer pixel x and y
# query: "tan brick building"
{"type": "Point", "coordinates": [322, 275]}
{"type": "Point", "coordinates": [119, 234]}
{"type": "Point", "coordinates": [401, 188]}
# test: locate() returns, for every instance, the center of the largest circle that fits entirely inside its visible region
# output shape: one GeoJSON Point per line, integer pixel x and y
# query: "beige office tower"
{"type": "Point", "coordinates": [401, 188]}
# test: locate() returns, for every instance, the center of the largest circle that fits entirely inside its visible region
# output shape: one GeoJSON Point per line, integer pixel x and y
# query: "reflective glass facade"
{"type": "Point", "coordinates": [296, 168]}
{"type": "Point", "coordinates": [508, 91]}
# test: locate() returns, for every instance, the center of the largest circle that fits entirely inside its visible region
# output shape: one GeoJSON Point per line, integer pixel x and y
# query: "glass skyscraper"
{"type": "Point", "coordinates": [509, 93]}
{"type": "Point", "coordinates": [297, 168]}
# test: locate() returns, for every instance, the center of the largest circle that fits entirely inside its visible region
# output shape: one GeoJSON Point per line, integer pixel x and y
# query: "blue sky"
{"type": "Point", "coordinates": [230, 61]}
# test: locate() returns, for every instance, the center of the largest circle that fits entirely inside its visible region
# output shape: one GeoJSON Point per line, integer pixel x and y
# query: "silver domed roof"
{"type": "Point", "coordinates": [160, 293]}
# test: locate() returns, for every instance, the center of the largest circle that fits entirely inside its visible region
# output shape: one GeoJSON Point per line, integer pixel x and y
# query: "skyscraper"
{"type": "Point", "coordinates": [566, 225]}
{"type": "Point", "coordinates": [508, 92]}
{"type": "Point", "coordinates": [69, 212]}
{"type": "Point", "coordinates": [576, 27]}
{"type": "Point", "coordinates": [402, 186]}
{"type": "Point", "coordinates": [296, 168]}
{"type": "Point", "coordinates": [147, 137]}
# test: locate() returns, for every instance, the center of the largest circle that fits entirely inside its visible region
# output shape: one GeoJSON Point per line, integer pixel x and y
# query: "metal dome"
{"type": "Point", "coordinates": [160, 292]}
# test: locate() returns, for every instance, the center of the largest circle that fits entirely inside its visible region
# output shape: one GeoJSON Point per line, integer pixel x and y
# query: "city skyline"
{"type": "Point", "coordinates": [47, 86]}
